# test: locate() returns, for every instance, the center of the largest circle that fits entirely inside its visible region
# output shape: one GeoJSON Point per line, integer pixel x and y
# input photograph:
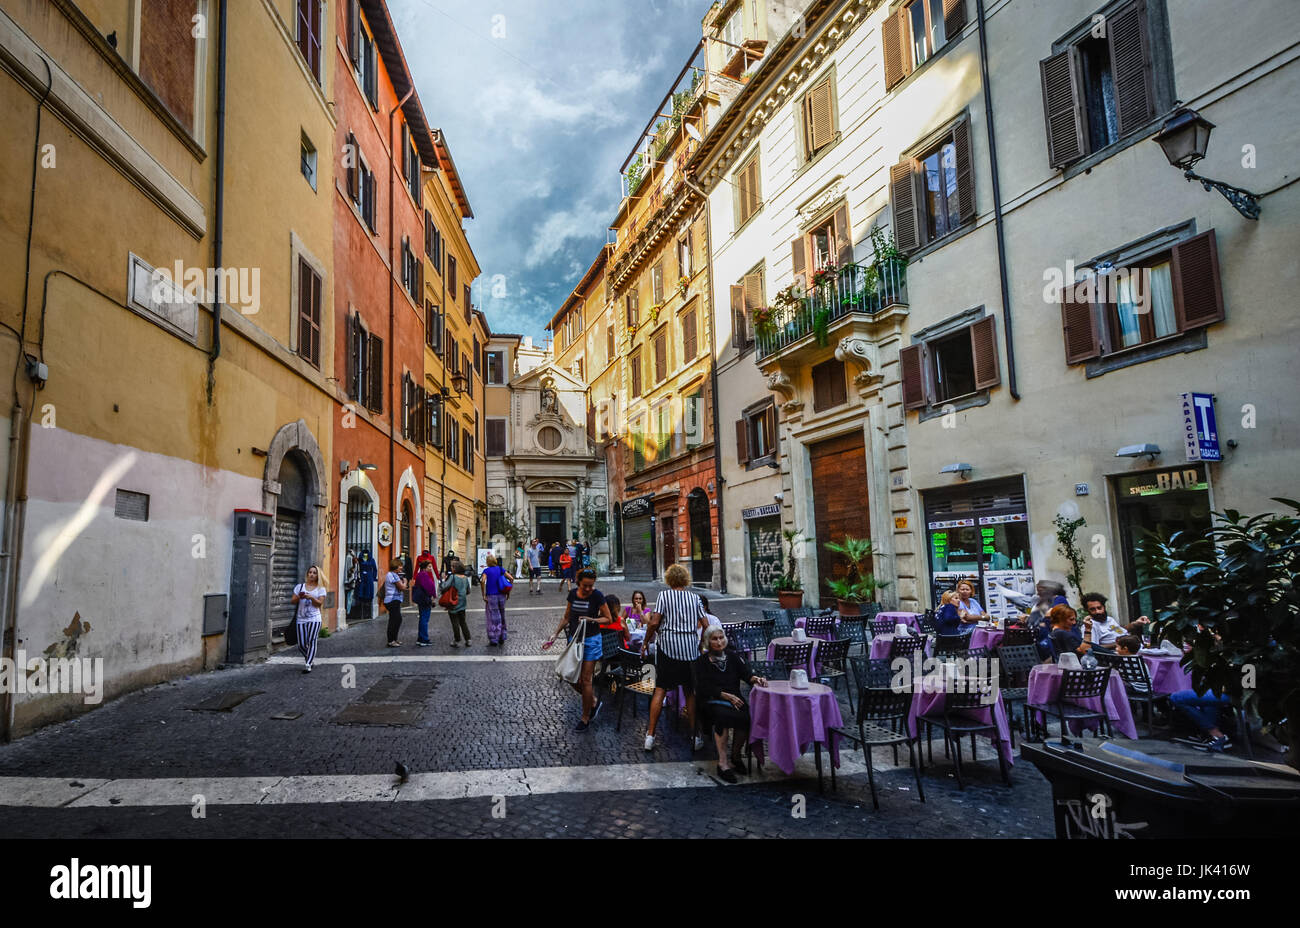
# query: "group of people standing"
{"type": "Point", "coordinates": [561, 562]}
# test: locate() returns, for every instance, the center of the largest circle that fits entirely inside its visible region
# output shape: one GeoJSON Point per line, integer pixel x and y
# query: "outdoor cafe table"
{"type": "Point", "coordinates": [910, 619]}
{"type": "Point", "coordinates": [1045, 683]}
{"type": "Point", "coordinates": [880, 647]}
{"type": "Point", "coordinates": [986, 637]}
{"type": "Point", "coordinates": [928, 697]}
{"type": "Point", "coordinates": [1167, 675]}
{"type": "Point", "coordinates": [812, 656]}
{"type": "Point", "coordinates": [790, 720]}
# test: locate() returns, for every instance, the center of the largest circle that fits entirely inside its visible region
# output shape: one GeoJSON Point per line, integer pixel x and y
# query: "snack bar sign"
{"type": "Point", "coordinates": [1200, 430]}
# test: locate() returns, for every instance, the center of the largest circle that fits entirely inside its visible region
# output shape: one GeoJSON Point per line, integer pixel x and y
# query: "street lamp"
{"type": "Point", "coordinates": [1184, 138]}
{"type": "Point", "coordinates": [460, 382]}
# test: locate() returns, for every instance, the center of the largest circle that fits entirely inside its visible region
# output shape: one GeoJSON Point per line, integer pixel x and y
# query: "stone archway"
{"type": "Point", "coordinates": [296, 443]}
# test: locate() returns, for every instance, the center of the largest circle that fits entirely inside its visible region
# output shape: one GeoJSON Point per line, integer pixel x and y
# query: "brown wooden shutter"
{"type": "Point", "coordinates": [912, 376]}
{"type": "Point", "coordinates": [800, 261]}
{"type": "Point", "coordinates": [954, 19]}
{"type": "Point", "coordinates": [742, 442]}
{"type": "Point", "coordinates": [965, 171]}
{"type": "Point", "coordinates": [350, 365]}
{"type": "Point", "coordinates": [1079, 323]}
{"type": "Point", "coordinates": [739, 333]}
{"type": "Point", "coordinates": [742, 197]}
{"type": "Point", "coordinates": [1197, 285]}
{"type": "Point", "coordinates": [661, 357]}
{"type": "Point", "coordinates": [1061, 77]}
{"type": "Point", "coordinates": [1131, 66]}
{"type": "Point", "coordinates": [636, 374]}
{"type": "Point", "coordinates": [755, 190]}
{"type": "Point", "coordinates": [906, 204]}
{"type": "Point", "coordinates": [897, 45]}
{"type": "Point", "coordinates": [769, 417]}
{"type": "Point", "coordinates": [689, 341]}
{"type": "Point", "coordinates": [843, 237]}
{"type": "Point", "coordinates": [984, 351]}
{"type": "Point", "coordinates": [354, 31]}
{"type": "Point", "coordinates": [375, 394]}
{"type": "Point", "coordinates": [839, 390]}
{"type": "Point", "coordinates": [406, 151]}
{"type": "Point", "coordinates": [821, 388]}
{"type": "Point", "coordinates": [353, 171]}
{"type": "Point", "coordinates": [821, 119]}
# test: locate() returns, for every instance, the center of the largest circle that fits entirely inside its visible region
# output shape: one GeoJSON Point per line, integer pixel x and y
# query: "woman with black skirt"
{"type": "Point", "coordinates": [718, 674]}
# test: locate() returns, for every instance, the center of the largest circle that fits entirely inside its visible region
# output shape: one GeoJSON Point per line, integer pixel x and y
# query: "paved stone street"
{"type": "Point", "coordinates": [470, 726]}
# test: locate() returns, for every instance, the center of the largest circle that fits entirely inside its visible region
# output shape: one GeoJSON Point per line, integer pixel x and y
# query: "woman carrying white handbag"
{"type": "Point", "coordinates": [577, 665]}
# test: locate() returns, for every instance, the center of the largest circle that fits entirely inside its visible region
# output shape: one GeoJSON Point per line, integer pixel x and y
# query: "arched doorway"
{"type": "Point", "coordinates": [358, 537]}
{"type": "Point", "coordinates": [404, 531]}
{"type": "Point", "coordinates": [618, 535]}
{"type": "Point", "coordinates": [291, 544]}
{"type": "Point", "coordinates": [697, 507]}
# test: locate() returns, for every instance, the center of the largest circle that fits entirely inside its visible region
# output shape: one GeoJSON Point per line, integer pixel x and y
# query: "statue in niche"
{"type": "Point", "coordinates": [550, 402]}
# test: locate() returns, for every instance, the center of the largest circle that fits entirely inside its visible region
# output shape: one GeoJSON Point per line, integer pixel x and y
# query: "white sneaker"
{"type": "Point", "coordinates": [699, 742]}
{"type": "Point", "coordinates": [649, 742]}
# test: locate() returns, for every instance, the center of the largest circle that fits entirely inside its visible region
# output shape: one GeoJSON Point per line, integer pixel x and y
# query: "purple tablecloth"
{"type": "Point", "coordinates": [986, 637]}
{"type": "Point", "coordinates": [1045, 683]}
{"type": "Point", "coordinates": [880, 647]}
{"type": "Point", "coordinates": [902, 618]}
{"type": "Point", "coordinates": [925, 702]}
{"type": "Point", "coordinates": [1166, 674]}
{"type": "Point", "coordinates": [813, 669]}
{"type": "Point", "coordinates": [791, 720]}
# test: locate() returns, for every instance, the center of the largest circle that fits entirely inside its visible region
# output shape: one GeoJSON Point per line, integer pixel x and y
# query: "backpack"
{"type": "Point", "coordinates": [420, 596]}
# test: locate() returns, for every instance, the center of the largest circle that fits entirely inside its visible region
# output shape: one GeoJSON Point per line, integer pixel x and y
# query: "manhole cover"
{"type": "Point", "coordinates": [400, 689]}
{"type": "Point", "coordinates": [224, 702]}
{"type": "Point", "coordinates": [379, 714]}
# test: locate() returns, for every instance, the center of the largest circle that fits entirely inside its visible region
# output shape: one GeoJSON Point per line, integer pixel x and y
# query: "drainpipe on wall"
{"type": "Point", "coordinates": [392, 348]}
{"type": "Point", "coordinates": [713, 382]}
{"type": "Point", "coordinates": [220, 208]}
{"type": "Point", "coordinates": [997, 204]}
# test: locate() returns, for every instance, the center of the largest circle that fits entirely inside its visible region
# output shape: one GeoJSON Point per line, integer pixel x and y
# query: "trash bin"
{"type": "Point", "coordinates": [1154, 789]}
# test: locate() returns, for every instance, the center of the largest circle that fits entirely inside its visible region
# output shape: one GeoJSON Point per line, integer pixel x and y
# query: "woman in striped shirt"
{"type": "Point", "coordinates": [676, 620]}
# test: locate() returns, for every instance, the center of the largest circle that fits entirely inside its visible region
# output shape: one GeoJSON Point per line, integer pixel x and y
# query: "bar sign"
{"type": "Point", "coordinates": [1200, 429]}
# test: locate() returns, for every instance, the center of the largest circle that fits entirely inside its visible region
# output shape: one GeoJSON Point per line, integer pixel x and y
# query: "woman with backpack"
{"type": "Point", "coordinates": [423, 592]}
{"type": "Point", "coordinates": [455, 599]}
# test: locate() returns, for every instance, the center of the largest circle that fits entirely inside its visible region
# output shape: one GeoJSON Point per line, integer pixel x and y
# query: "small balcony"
{"type": "Point", "coordinates": [854, 289]}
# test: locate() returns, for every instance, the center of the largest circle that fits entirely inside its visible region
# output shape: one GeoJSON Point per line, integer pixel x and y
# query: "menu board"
{"type": "Point", "coordinates": [1018, 581]}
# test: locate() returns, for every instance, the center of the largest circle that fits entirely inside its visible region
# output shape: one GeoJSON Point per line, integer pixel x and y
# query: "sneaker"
{"type": "Point", "coordinates": [649, 742]}
{"type": "Point", "coordinates": [394, 644]}
{"type": "Point", "coordinates": [728, 775]}
{"type": "Point", "coordinates": [306, 670]}
{"type": "Point", "coordinates": [699, 742]}
{"type": "Point", "coordinates": [456, 643]}
{"type": "Point", "coordinates": [581, 726]}
{"type": "Point", "coordinates": [423, 644]}
{"type": "Point", "coordinates": [1219, 745]}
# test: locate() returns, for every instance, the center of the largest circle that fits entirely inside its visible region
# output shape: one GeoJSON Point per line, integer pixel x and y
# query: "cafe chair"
{"type": "Point", "coordinates": [772, 670]}
{"type": "Point", "coordinates": [1137, 681]}
{"type": "Point", "coordinates": [870, 610]}
{"type": "Point", "coordinates": [955, 725]}
{"type": "Point", "coordinates": [1015, 663]}
{"type": "Point", "coordinates": [1017, 636]}
{"type": "Point", "coordinates": [750, 641]}
{"type": "Point", "coordinates": [796, 655]}
{"type": "Point", "coordinates": [948, 646]}
{"type": "Point", "coordinates": [732, 628]}
{"type": "Point", "coordinates": [803, 612]}
{"type": "Point", "coordinates": [881, 626]}
{"type": "Point", "coordinates": [905, 646]}
{"type": "Point", "coordinates": [820, 627]}
{"type": "Point", "coordinates": [832, 664]}
{"type": "Point", "coordinates": [761, 625]}
{"type": "Point", "coordinates": [853, 629]}
{"type": "Point", "coordinates": [1078, 684]}
{"type": "Point", "coordinates": [882, 722]}
{"type": "Point", "coordinates": [772, 615]}
{"type": "Point", "coordinates": [927, 622]}
{"type": "Point", "coordinates": [871, 674]}
{"type": "Point", "coordinates": [630, 675]}
{"type": "Point", "coordinates": [783, 627]}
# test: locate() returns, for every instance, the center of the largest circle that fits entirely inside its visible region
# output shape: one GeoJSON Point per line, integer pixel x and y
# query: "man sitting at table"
{"type": "Point", "coordinates": [1105, 630]}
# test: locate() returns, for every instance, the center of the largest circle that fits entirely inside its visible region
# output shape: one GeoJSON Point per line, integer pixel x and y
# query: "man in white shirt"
{"type": "Point", "coordinates": [534, 568]}
{"type": "Point", "coordinates": [1105, 630]}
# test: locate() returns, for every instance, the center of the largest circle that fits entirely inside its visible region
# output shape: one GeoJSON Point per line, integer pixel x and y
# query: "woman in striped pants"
{"type": "Point", "coordinates": [309, 597]}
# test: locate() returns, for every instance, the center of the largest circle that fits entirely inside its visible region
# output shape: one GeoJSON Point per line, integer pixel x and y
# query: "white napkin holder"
{"type": "Point", "coordinates": [1170, 648]}
{"type": "Point", "coordinates": [798, 679]}
{"type": "Point", "coordinates": [800, 635]}
{"type": "Point", "coordinates": [902, 629]}
{"type": "Point", "coordinates": [1069, 661]}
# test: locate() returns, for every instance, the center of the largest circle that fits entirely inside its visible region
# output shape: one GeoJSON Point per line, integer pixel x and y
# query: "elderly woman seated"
{"type": "Point", "coordinates": [718, 675]}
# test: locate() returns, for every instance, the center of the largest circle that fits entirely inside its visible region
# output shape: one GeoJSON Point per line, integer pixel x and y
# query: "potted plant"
{"type": "Point", "coordinates": [821, 326]}
{"type": "Point", "coordinates": [654, 312]}
{"type": "Point", "coordinates": [824, 275]}
{"type": "Point", "coordinates": [682, 284]}
{"type": "Point", "coordinates": [789, 591]}
{"type": "Point", "coordinates": [889, 261]}
{"type": "Point", "coordinates": [764, 322]}
{"type": "Point", "coordinates": [1233, 598]}
{"type": "Point", "coordinates": [859, 583]}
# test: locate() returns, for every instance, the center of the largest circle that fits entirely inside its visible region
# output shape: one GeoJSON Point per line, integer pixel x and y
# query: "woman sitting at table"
{"type": "Point", "coordinates": [1065, 633]}
{"type": "Point", "coordinates": [968, 607]}
{"type": "Point", "coordinates": [947, 621]}
{"type": "Point", "coordinates": [718, 674]}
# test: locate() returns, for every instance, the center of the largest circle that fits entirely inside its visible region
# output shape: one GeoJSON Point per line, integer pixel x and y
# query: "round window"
{"type": "Point", "coordinates": [548, 438]}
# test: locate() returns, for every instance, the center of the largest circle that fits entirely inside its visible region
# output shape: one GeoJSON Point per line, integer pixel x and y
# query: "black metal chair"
{"type": "Point", "coordinates": [976, 695]}
{"type": "Point", "coordinates": [803, 612]}
{"type": "Point", "coordinates": [772, 670]}
{"type": "Point", "coordinates": [1015, 662]}
{"type": "Point", "coordinates": [783, 627]}
{"type": "Point", "coordinates": [853, 629]}
{"type": "Point", "coordinates": [1137, 681]}
{"type": "Point", "coordinates": [905, 646]}
{"type": "Point", "coordinates": [946, 646]}
{"type": "Point", "coordinates": [881, 626]}
{"type": "Point", "coordinates": [926, 619]}
{"type": "Point", "coordinates": [832, 664]}
{"type": "Point", "coordinates": [870, 610]}
{"type": "Point", "coordinates": [882, 722]}
{"type": "Point", "coordinates": [1017, 636]}
{"type": "Point", "coordinates": [820, 627]}
{"type": "Point", "coordinates": [630, 675]}
{"type": "Point", "coordinates": [765, 625]}
{"type": "Point", "coordinates": [1076, 684]}
{"type": "Point", "coordinates": [772, 615]}
{"type": "Point", "coordinates": [732, 628]}
{"type": "Point", "coordinates": [795, 655]}
{"type": "Point", "coordinates": [751, 641]}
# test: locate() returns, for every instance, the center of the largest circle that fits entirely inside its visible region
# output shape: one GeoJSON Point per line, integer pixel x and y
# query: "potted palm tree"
{"type": "Point", "coordinates": [789, 590]}
{"type": "Point", "coordinates": [859, 583]}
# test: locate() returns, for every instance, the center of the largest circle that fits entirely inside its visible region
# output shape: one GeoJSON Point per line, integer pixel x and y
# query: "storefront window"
{"type": "Point", "coordinates": [981, 535]}
{"type": "Point", "coordinates": [1160, 503]}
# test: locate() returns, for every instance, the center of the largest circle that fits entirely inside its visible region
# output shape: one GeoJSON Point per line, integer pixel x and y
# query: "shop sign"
{"type": "Point", "coordinates": [638, 508]}
{"type": "Point", "coordinates": [953, 523]}
{"type": "Point", "coordinates": [1003, 520]}
{"type": "Point", "coordinates": [1200, 430]}
{"type": "Point", "coordinates": [761, 512]}
{"type": "Point", "coordinates": [1191, 478]}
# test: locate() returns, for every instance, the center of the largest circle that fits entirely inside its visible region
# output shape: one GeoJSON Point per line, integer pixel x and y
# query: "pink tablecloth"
{"type": "Point", "coordinates": [1166, 674]}
{"type": "Point", "coordinates": [880, 647]}
{"type": "Point", "coordinates": [902, 618]}
{"type": "Point", "coordinates": [1045, 683]}
{"type": "Point", "coordinates": [790, 720]}
{"type": "Point", "coordinates": [986, 637]}
{"type": "Point", "coordinates": [925, 702]}
{"type": "Point", "coordinates": [813, 670]}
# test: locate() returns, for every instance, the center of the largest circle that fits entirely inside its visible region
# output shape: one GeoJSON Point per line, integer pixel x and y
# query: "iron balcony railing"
{"type": "Point", "coordinates": [853, 288]}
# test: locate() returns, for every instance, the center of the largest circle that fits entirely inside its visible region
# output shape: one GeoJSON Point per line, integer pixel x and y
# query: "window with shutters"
{"type": "Point", "coordinates": [1146, 295]}
{"type": "Point", "coordinates": [496, 367]}
{"type": "Point", "coordinates": [496, 438]}
{"type": "Point", "coordinates": [414, 180]}
{"type": "Point", "coordinates": [609, 341]}
{"type": "Point", "coordinates": [432, 326]}
{"type": "Point", "coordinates": [309, 310]}
{"type": "Point", "coordinates": [632, 304]}
{"type": "Point", "coordinates": [467, 451]}
{"type": "Point", "coordinates": [952, 361]}
{"type": "Point", "coordinates": [361, 51]}
{"type": "Point", "coordinates": [747, 190]}
{"type": "Point", "coordinates": [469, 306]}
{"type": "Point", "coordinates": [829, 387]}
{"type": "Point", "coordinates": [690, 337]}
{"type": "Point", "coordinates": [756, 440]}
{"type": "Point", "coordinates": [638, 444]}
{"type": "Point", "coordinates": [308, 35]}
{"type": "Point", "coordinates": [1099, 89]}
{"type": "Point", "coordinates": [746, 296]}
{"type": "Point", "coordinates": [933, 191]}
{"type": "Point", "coordinates": [366, 193]}
{"type": "Point", "coordinates": [657, 283]}
{"type": "Point", "coordinates": [661, 355]}
{"type": "Point", "coordinates": [916, 32]}
{"type": "Point", "coordinates": [307, 159]}
{"type": "Point", "coordinates": [693, 417]}
{"type": "Point", "coordinates": [634, 371]}
{"type": "Point", "coordinates": [451, 276]}
{"type": "Point", "coordinates": [819, 119]}
{"type": "Point", "coordinates": [478, 356]}
{"type": "Point", "coordinates": [821, 245]}
{"type": "Point", "coordinates": [684, 265]}
{"type": "Point", "coordinates": [375, 374]}
{"type": "Point", "coordinates": [434, 408]}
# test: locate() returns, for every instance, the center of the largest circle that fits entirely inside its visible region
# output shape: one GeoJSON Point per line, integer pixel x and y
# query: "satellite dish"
{"type": "Point", "coordinates": [693, 132]}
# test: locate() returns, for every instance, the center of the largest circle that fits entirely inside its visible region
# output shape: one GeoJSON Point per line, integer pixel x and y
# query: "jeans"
{"type": "Point", "coordinates": [1202, 710]}
{"type": "Point", "coordinates": [424, 622]}
{"type": "Point", "coordinates": [394, 608]}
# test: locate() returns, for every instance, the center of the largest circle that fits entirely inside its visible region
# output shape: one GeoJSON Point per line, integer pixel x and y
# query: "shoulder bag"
{"type": "Point", "coordinates": [291, 630]}
{"type": "Point", "coordinates": [569, 667]}
{"type": "Point", "coordinates": [449, 598]}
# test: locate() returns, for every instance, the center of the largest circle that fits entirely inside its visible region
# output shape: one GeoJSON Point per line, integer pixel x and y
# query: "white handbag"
{"type": "Point", "coordinates": [569, 667]}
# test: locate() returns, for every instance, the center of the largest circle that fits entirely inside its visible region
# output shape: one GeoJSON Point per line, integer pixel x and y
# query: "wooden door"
{"type": "Point", "coordinates": [839, 476]}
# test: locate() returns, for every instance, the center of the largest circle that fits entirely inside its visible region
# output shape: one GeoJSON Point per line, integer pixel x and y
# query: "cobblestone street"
{"type": "Point", "coordinates": [470, 726]}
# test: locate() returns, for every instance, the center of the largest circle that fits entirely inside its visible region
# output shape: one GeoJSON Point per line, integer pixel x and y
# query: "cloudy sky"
{"type": "Point", "coordinates": [541, 100]}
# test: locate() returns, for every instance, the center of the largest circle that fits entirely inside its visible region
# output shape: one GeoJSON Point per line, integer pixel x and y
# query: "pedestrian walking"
{"type": "Point", "coordinates": [519, 560]}
{"type": "Point", "coordinates": [394, 587]}
{"type": "Point", "coordinates": [423, 593]}
{"type": "Point", "coordinates": [496, 590]}
{"type": "Point", "coordinates": [367, 577]}
{"type": "Point", "coordinates": [309, 596]}
{"type": "Point", "coordinates": [350, 583]}
{"type": "Point", "coordinates": [676, 621]}
{"type": "Point", "coordinates": [534, 569]}
{"type": "Point", "coordinates": [566, 569]}
{"type": "Point", "coordinates": [456, 579]}
{"type": "Point", "coordinates": [553, 559]}
{"type": "Point", "coordinates": [447, 560]}
{"type": "Point", "coordinates": [585, 604]}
